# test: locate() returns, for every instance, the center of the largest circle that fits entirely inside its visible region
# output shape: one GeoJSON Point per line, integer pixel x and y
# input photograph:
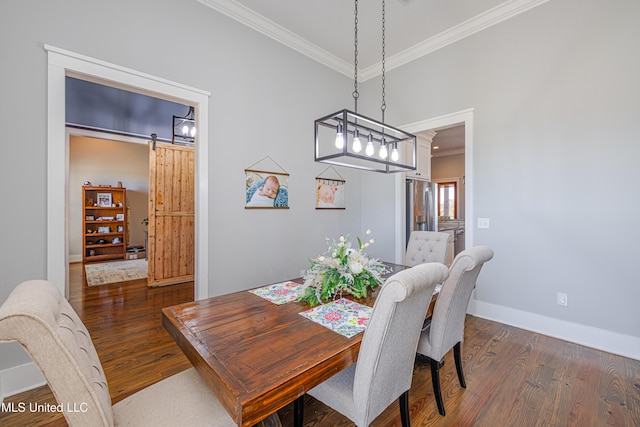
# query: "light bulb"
{"type": "Point", "coordinates": [357, 145]}
{"type": "Point", "coordinates": [394, 154]}
{"type": "Point", "coordinates": [185, 130]}
{"type": "Point", "coordinates": [193, 132]}
{"type": "Point", "coordinates": [369, 150]}
{"type": "Point", "coordinates": [339, 139]}
{"type": "Point", "coordinates": [383, 150]}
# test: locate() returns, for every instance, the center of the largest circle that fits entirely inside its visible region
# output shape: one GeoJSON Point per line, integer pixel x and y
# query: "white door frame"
{"type": "Point", "coordinates": [457, 118]}
{"type": "Point", "coordinates": [62, 63]}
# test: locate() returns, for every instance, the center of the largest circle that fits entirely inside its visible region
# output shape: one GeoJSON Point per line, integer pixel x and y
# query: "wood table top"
{"type": "Point", "coordinates": [255, 355]}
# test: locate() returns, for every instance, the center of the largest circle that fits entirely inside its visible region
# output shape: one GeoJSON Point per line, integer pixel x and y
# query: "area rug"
{"type": "Point", "coordinates": [118, 271]}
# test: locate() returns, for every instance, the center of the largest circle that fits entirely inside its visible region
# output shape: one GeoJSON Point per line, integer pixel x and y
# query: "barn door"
{"type": "Point", "coordinates": [171, 214]}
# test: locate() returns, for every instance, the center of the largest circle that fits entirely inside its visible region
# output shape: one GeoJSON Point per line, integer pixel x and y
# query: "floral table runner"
{"type": "Point", "coordinates": [343, 316]}
{"type": "Point", "coordinates": [278, 293]}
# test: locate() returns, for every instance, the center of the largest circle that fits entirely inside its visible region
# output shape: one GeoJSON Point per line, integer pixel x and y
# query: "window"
{"type": "Point", "coordinates": [447, 194]}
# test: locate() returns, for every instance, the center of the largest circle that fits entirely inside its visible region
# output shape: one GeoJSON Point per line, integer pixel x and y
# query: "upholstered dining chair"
{"type": "Point", "coordinates": [426, 246]}
{"type": "Point", "coordinates": [384, 368]}
{"type": "Point", "coordinates": [47, 327]}
{"type": "Point", "coordinates": [446, 329]}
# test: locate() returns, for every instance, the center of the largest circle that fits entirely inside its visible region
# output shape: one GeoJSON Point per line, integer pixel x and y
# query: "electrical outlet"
{"type": "Point", "coordinates": [483, 223]}
{"type": "Point", "coordinates": [562, 299]}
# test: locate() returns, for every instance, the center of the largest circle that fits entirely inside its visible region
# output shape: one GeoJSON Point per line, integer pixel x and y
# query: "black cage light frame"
{"type": "Point", "coordinates": [397, 148]}
{"type": "Point", "coordinates": [379, 134]}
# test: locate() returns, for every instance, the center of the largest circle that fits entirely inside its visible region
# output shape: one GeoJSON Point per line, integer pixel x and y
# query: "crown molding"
{"type": "Point", "coordinates": [426, 136]}
{"type": "Point", "coordinates": [491, 17]}
{"type": "Point", "coordinates": [438, 153]}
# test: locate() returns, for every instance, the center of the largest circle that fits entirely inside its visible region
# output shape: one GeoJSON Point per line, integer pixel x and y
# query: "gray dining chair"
{"type": "Point", "coordinates": [446, 328]}
{"type": "Point", "coordinates": [384, 368]}
{"type": "Point", "coordinates": [426, 246]}
{"type": "Point", "coordinates": [44, 323]}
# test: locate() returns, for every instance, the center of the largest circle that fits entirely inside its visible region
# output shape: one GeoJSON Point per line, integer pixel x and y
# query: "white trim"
{"type": "Point", "coordinates": [460, 117]}
{"type": "Point", "coordinates": [21, 378]}
{"type": "Point", "coordinates": [600, 339]}
{"type": "Point", "coordinates": [62, 62]}
{"type": "Point", "coordinates": [447, 153]}
{"type": "Point", "coordinates": [251, 19]}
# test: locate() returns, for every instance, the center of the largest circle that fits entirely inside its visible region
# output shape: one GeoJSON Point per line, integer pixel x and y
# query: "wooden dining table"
{"type": "Point", "coordinates": [257, 356]}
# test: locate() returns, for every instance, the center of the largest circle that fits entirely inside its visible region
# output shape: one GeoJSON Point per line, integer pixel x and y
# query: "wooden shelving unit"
{"type": "Point", "coordinates": [104, 225]}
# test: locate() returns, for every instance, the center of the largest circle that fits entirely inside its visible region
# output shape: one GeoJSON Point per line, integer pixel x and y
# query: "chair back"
{"type": "Point", "coordinates": [426, 246]}
{"type": "Point", "coordinates": [44, 323]}
{"type": "Point", "coordinates": [387, 352]}
{"type": "Point", "coordinates": [447, 323]}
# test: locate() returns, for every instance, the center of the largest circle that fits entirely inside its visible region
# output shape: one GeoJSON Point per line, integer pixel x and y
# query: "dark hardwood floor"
{"type": "Point", "coordinates": [514, 377]}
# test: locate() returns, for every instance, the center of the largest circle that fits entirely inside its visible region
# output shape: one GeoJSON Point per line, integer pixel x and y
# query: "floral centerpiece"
{"type": "Point", "coordinates": [342, 269]}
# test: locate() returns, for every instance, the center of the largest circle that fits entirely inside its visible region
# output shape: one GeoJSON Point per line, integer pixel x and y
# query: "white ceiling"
{"type": "Point", "coordinates": [324, 29]}
{"type": "Point", "coordinates": [448, 141]}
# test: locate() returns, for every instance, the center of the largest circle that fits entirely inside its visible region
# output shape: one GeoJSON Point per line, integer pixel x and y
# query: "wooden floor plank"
{"type": "Point", "coordinates": [514, 377]}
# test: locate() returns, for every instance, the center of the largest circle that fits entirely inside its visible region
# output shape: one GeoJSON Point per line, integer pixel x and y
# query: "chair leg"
{"type": "Point", "coordinates": [298, 411]}
{"type": "Point", "coordinates": [435, 379]}
{"type": "Point", "coordinates": [404, 409]}
{"type": "Point", "coordinates": [457, 354]}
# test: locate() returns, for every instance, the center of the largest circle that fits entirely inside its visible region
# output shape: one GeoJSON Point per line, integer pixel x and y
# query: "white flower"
{"type": "Point", "coordinates": [356, 267]}
{"type": "Point", "coordinates": [368, 231]}
{"type": "Point", "coordinates": [342, 269]}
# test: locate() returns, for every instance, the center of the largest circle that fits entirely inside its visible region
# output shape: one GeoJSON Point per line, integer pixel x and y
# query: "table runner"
{"type": "Point", "coordinates": [343, 316]}
{"type": "Point", "coordinates": [278, 293]}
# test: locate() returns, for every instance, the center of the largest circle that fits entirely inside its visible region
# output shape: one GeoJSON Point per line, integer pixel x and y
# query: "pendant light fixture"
{"type": "Point", "coordinates": [338, 135]}
{"type": "Point", "coordinates": [184, 128]}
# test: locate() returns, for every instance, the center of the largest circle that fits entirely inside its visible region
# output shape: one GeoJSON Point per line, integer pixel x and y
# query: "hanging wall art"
{"type": "Point", "coordinates": [330, 191]}
{"type": "Point", "coordinates": [265, 188]}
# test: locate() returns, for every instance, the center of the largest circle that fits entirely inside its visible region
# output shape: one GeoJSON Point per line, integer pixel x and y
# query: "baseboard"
{"type": "Point", "coordinates": [600, 339]}
{"type": "Point", "coordinates": [75, 258]}
{"type": "Point", "coordinates": [20, 378]}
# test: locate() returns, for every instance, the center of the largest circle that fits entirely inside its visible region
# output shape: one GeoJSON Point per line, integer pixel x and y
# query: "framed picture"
{"type": "Point", "coordinates": [266, 190]}
{"type": "Point", "coordinates": [119, 217]}
{"type": "Point", "coordinates": [105, 229]}
{"type": "Point", "coordinates": [329, 193]}
{"type": "Point", "coordinates": [104, 199]}
{"type": "Point", "coordinates": [89, 218]}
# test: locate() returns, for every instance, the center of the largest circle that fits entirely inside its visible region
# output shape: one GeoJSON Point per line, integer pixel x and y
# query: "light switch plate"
{"type": "Point", "coordinates": [483, 222]}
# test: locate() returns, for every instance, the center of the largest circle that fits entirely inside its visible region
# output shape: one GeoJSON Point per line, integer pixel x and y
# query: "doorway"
{"type": "Point", "coordinates": [460, 118]}
{"type": "Point", "coordinates": [62, 63]}
{"type": "Point", "coordinates": [100, 159]}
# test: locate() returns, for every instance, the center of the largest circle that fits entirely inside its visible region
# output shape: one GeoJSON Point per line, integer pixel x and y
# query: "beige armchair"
{"type": "Point", "coordinates": [446, 329]}
{"type": "Point", "coordinates": [384, 368]}
{"type": "Point", "coordinates": [426, 246]}
{"type": "Point", "coordinates": [47, 327]}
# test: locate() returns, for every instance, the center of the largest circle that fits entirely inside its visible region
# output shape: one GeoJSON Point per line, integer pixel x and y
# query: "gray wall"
{"type": "Point", "coordinates": [555, 93]}
{"type": "Point", "coordinates": [555, 157]}
{"type": "Point", "coordinates": [264, 100]}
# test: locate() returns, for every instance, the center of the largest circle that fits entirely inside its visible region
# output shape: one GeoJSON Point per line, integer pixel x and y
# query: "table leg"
{"type": "Point", "coordinates": [298, 411]}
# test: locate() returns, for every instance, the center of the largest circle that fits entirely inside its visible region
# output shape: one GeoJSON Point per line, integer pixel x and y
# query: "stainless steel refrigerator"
{"type": "Point", "coordinates": [421, 206]}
